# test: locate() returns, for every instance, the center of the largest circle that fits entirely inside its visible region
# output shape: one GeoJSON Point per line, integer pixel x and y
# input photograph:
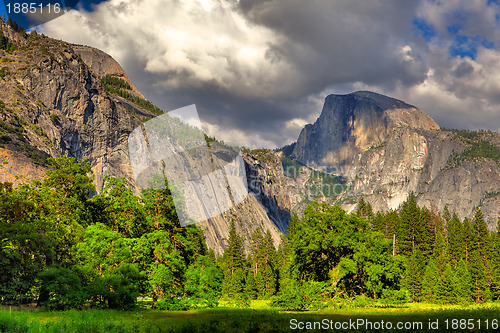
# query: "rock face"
{"type": "Point", "coordinates": [54, 104]}
{"type": "Point", "coordinates": [103, 64]}
{"type": "Point", "coordinates": [386, 149]}
{"type": "Point", "coordinates": [63, 106]}
{"type": "Point", "coordinates": [351, 124]}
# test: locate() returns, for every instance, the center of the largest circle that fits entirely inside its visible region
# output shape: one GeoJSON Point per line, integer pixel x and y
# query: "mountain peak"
{"type": "Point", "coordinates": [351, 123]}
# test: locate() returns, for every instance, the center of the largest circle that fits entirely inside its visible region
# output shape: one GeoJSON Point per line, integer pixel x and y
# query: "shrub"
{"type": "Point", "coordinates": [60, 289]}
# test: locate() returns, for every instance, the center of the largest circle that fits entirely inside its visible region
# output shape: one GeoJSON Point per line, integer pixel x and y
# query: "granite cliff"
{"type": "Point", "coordinates": [57, 98]}
{"type": "Point", "coordinates": [54, 101]}
{"type": "Point", "coordinates": [386, 149]}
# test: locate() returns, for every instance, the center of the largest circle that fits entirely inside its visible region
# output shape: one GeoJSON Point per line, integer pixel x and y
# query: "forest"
{"type": "Point", "coordinates": [62, 246]}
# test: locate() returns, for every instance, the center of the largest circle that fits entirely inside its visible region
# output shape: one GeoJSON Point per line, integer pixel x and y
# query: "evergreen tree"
{"type": "Point", "coordinates": [283, 255]}
{"type": "Point", "coordinates": [365, 210]}
{"type": "Point", "coordinates": [379, 223]}
{"type": "Point", "coordinates": [233, 264]}
{"type": "Point", "coordinates": [446, 215]}
{"type": "Point", "coordinates": [413, 231]}
{"type": "Point", "coordinates": [430, 282]}
{"type": "Point", "coordinates": [478, 277]}
{"type": "Point", "coordinates": [440, 252]}
{"type": "Point", "coordinates": [427, 231]}
{"type": "Point", "coordinates": [468, 240]}
{"type": "Point", "coordinates": [414, 276]}
{"type": "Point", "coordinates": [256, 251]}
{"type": "Point", "coordinates": [480, 233]}
{"type": "Point", "coordinates": [446, 290]}
{"type": "Point", "coordinates": [269, 273]}
{"type": "Point", "coordinates": [495, 263]}
{"type": "Point", "coordinates": [456, 244]}
{"type": "Point", "coordinates": [3, 41]}
{"type": "Point", "coordinates": [464, 284]}
{"type": "Point", "coordinates": [250, 286]}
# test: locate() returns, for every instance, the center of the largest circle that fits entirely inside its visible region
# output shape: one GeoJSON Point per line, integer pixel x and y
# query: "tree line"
{"type": "Point", "coordinates": [64, 246]}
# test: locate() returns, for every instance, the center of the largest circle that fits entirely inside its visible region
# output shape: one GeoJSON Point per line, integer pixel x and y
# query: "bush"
{"type": "Point", "coordinates": [118, 289]}
{"type": "Point", "coordinates": [60, 289]}
{"type": "Point", "coordinates": [390, 296]}
{"type": "Point", "coordinates": [173, 304]}
{"type": "Point", "coordinates": [308, 296]}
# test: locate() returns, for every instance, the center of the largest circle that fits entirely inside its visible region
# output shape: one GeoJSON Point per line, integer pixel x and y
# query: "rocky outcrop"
{"type": "Point", "coordinates": [62, 106]}
{"type": "Point", "coordinates": [54, 104]}
{"type": "Point", "coordinates": [351, 124]}
{"type": "Point", "coordinates": [103, 64]}
{"type": "Point", "coordinates": [386, 149]}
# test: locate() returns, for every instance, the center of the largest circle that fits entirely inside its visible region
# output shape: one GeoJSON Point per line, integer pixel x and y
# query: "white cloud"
{"type": "Point", "coordinates": [259, 69]}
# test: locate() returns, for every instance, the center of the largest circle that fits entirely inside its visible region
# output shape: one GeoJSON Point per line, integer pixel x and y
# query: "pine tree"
{"type": "Point", "coordinates": [256, 253]}
{"type": "Point", "coordinates": [426, 231]}
{"type": "Point", "coordinates": [392, 222]}
{"type": "Point", "coordinates": [283, 262]}
{"type": "Point", "coordinates": [446, 215]}
{"type": "Point", "coordinates": [456, 245]}
{"type": "Point", "coordinates": [365, 210]}
{"type": "Point", "coordinates": [446, 290]}
{"type": "Point", "coordinates": [269, 273]}
{"type": "Point", "coordinates": [379, 223]}
{"type": "Point", "coordinates": [430, 282]}
{"type": "Point", "coordinates": [250, 286]}
{"type": "Point", "coordinates": [414, 274]}
{"type": "Point", "coordinates": [233, 264]}
{"type": "Point", "coordinates": [495, 263]}
{"type": "Point", "coordinates": [468, 240]}
{"type": "Point", "coordinates": [464, 283]}
{"type": "Point", "coordinates": [440, 252]}
{"type": "Point", "coordinates": [480, 233]}
{"type": "Point", "coordinates": [3, 41]}
{"type": "Point", "coordinates": [478, 276]}
{"type": "Point", "coordinates": [409, 227]}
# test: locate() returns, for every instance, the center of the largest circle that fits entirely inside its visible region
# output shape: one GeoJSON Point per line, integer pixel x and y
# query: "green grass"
{"type": "Point", "coordinates": [259, 318]}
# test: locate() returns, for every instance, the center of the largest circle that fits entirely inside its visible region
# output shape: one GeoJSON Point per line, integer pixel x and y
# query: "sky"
{"type": "Point", "coordinates": [259, 70]}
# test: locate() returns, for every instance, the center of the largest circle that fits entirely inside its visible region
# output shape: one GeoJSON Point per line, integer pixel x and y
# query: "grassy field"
{"type": "Point", "coordinates": [259, 318]}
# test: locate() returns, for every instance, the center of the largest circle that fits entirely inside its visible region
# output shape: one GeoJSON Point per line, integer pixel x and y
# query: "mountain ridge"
{"type": "Point", "coordinates": [386, 149]}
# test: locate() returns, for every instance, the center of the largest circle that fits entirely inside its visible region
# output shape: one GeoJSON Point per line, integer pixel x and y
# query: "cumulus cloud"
{"type": "Point", "coordinates": [258, 70]}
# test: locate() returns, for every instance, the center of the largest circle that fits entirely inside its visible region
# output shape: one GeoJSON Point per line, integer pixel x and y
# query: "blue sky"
{"type": "Point", "coordinates": [87, 5]}
{"type": "Point", "coordinates": [259, 70]}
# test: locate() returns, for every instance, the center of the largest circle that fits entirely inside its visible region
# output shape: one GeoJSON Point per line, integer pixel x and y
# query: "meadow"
{"type": "Point", "coordinates": [260, 317]}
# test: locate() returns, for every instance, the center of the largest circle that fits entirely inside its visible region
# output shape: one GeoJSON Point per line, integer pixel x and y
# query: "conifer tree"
{"type": "Point", "coordinates": [446, 215]}
{"type": "Point", "coordinates": [456, 245]}
{"type": "Point", "coordinates": [256, 253]}
{"type": "Point", "coordinates": [446, 290]}
{"type": "Point", "coordinates": [269, 272]}
{"type": "Point", "coordinates": [3, 40]}
{"type": "Point", "coordinates": [478, 276]}
{"type": "Point", "coordinates": [409, 227]}
{"type": "Point", "coordinates": [426, 231]}
{"type": "Point", "coordinates": [379, 223]}
{"type": "Point", "coordinates": [440, 252]}
{"type": "Point", "coordinates": [233, 264]}
{"type": "Point", "coordinates": [414, 274]}
{"type": "Point", "coordinates": [365, 210]}
{"type": "Point", "coordinates": [250, 286]}
{"type": "Point", "coordinates": [480, 233]}
{"type": "Point", "coordinates": [468, 240]}
{"type": "Point", "coordinates": [464, 283]}
{"type": "Point", "coordinates": [495, 263]}
{"type": "Point", "coordinates": [392, 222]}
{"type": "Point", "coordinates": [430, 282]}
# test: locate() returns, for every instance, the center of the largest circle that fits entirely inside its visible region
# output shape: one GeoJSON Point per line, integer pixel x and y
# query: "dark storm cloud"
{"type": "Point", "coordinates": [341, 41]}
{"type": "Point", "coordinates": [259, 70]}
